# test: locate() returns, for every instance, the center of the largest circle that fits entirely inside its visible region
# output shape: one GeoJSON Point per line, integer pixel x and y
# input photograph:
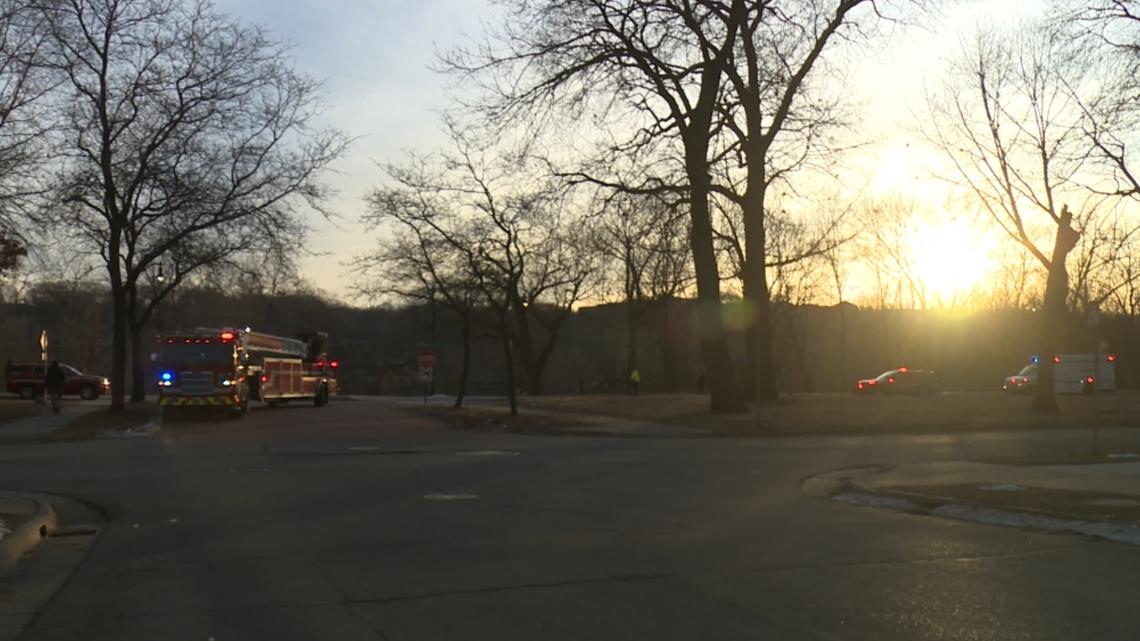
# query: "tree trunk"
{"type": "Point", "coordinates": [532, 370]}
{"type": "Point", "coordinates": [465, 368]}
{"type": "Point", "coordinates": [138, 364]}
{"type": "Point", "coordinates": [632, 318]}
{"type": "Point", "coordinates": [1053, 316]}
{"type": "Point", "coordinates": [757, 297]}
{"type": "Point", "coordinates": [509, 358]}
{"type": "Point", "coordinates": [118, 343]}
{"type": "Point", "coordinates": [723, 396]}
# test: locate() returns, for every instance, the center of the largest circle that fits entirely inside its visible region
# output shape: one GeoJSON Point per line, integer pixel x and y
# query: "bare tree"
{"type": "Point", "coordinates": [779, 121]}
{"type": "Point", "coordinates": [644, 236]}
{"type": "Point", "coordinates": [23, 84]}
{"type": "Point", "coordinates": [654, 71]}
{"type": "Point", "coordinates": [420, 258]}
{"type": "Point", "coordinates": [518, 245]}
{"type": "Point", "coordinates": [188, 138]}
{"type": "Point", "coordinates": [1010, 124]}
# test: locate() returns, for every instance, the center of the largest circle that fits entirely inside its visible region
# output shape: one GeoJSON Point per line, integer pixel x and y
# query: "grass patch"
{"type": "Point", "coordinates": [89, 425]}
{"type": "Point", "coordinates": [494, 418]}
{"type": "Point", "coordinates": [806, 414]}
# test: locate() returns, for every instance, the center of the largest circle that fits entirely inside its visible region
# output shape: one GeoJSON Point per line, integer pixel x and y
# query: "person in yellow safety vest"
{"type": "Point", "coordinates": [634, 379]}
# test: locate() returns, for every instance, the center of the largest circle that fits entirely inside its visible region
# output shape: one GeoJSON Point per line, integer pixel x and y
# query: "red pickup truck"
{"type": "Point", "coordinates": [28, 382]}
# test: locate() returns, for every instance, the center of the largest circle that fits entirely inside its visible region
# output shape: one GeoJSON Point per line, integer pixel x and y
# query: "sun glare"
{"type": "Point", "coordinates": [951, 259]}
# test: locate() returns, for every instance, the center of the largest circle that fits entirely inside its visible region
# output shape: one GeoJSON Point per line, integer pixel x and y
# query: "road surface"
{"type": "Point", "coordinates": [361, 522]}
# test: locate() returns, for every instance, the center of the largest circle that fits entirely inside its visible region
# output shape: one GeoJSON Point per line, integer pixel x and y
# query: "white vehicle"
{"type": "Point", "coordinates": [1073, 374]}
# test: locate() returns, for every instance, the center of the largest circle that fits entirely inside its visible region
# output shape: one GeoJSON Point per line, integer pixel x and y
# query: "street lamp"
{"type": "Point", "coordinates": [161, 277]}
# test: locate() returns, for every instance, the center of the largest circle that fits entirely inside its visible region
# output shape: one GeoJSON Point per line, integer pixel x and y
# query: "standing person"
{"type": "Point", "coordinates": [53, 385]}
{"type": "Point", "coordinates": [634, 379]}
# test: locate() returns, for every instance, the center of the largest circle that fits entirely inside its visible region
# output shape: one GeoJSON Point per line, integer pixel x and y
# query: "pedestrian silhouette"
{"type": "Point", "coordinates": [53, 385]}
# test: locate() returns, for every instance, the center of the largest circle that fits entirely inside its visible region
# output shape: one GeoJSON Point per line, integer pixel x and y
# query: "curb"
{"type": "Point", "coordinates": [842, 486]}
{"type": "Point", "coordinates": [30, 533]}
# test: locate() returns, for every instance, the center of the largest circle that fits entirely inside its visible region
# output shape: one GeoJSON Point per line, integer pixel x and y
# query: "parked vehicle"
{"type": "Point", "coordinates": [900, 381]}
{"type": "Point", "coordinates": [1073, 374]}
{"type": "Point", "coordinates": [27, 380]}
{"type": "Point", "coordinates": [227, 368]}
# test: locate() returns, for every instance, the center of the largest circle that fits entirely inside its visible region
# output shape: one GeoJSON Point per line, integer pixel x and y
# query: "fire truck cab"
{"type": "Point", "coordinates": [229, 368]}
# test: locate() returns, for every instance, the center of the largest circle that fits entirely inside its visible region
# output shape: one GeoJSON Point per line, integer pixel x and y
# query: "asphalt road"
{"type": "Point", "coordinates": [358, 521]}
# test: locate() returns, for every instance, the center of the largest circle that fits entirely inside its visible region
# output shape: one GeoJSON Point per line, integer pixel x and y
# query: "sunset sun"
{"type": "Point", "coordinates": [950, 258]}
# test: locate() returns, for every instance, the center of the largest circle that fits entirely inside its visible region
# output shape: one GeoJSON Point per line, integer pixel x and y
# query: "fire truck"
{"type": "Point", "coordinates": [228, 368]}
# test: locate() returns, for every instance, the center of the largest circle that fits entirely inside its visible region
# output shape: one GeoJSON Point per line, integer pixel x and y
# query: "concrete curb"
{"type": "Point", "coordinates": [30, 533]}
{"type": "Point", "coordinates": [842, 486]}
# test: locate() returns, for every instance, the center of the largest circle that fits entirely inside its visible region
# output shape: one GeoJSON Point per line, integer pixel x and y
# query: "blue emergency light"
{"type": "Point", "coordinates": [166, 376]}
{"type": "Point", "coordinates": [1034, 359]}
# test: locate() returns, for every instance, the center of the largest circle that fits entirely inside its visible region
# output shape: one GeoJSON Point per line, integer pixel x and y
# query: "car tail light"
{"type": "Point", "coordinates": [1089, 380]}
{"type": "Point", "coordinates": [860, 386]}
{"type": "Point", "coordinates": [1112, 358]}
{"type": "Point", "coordinates": [891, 380]}
{"type": "Point", "coordinates": [265, 378]}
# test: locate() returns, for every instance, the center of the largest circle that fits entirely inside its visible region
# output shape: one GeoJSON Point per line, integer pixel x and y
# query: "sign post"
{"type": "Point", "coordinates": [44, 360]}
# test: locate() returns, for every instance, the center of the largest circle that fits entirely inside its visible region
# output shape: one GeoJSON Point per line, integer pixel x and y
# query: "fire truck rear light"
{"type": "Point", "coordinates": [227, 336]}
{"type": "Point", "coordinates": [265, 378]}
{"type": "Point", "coordinates": [334, 364]}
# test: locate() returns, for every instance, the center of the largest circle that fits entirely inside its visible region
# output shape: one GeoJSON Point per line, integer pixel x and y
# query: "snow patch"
{"type": "Point", "coordinates": [149, 429]}
{"type": "Point", "coordinates": [1120, 532]}
{"type": "Point", "coordinates": [1002, 487]}
{"type": "Point", "coordinates": [874, 500]}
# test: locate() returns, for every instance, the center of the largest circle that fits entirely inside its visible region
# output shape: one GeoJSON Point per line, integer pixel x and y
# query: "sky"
{"type": "Point", "coordinates": [374, 57]}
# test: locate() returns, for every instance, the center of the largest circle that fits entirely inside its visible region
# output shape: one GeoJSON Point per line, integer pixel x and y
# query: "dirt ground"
{"type": "Point", "coordinates": [14, 409]}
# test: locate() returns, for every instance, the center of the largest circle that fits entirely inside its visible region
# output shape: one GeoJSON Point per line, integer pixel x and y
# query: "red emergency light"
{"type": "Point", "coordinates": [1089, 380]}
{"type": "Point", "coordinates": [265, 378]}
{"type": "Point", "coordinates": [903, 370]}
{"type": "Point", "coordinates": [1056, 359]}
{"type": "Point", "coordinates": [227, 336]}
{"type": "Point", "coordinates": [1112, 358]}
{"type": "Point", "coordinates": [334, 364]}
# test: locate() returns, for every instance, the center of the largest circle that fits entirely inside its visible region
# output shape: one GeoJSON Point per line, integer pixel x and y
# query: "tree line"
{"type": "Point", "coordinates": [677, 140]}
{"type": "Point", "coordinates": [159, 141]}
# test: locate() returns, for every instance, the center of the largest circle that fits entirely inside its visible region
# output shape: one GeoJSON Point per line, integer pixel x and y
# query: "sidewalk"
{"type": "Point", "coordinates": [1100, 499]}
{"type": "Point", "coordinates": [37, 428]}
